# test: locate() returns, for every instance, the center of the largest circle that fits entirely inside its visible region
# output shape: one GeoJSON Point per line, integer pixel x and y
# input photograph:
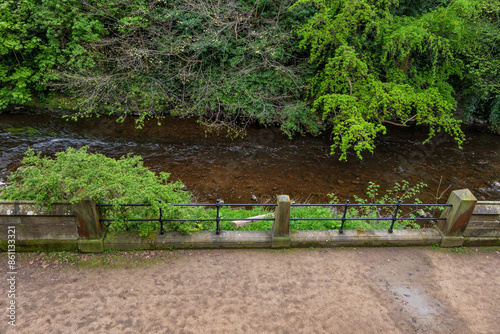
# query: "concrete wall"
{"type": "Point", "coordinates": [34, 223]}
{"type": "Point", "coordinates": [77, 227]}
{"type": "Point", "coordinates": [39, 229]}
{"type": "Point", "coordinates": [484, 224]}
{"type": "Point", "coordinates": [485, 220]}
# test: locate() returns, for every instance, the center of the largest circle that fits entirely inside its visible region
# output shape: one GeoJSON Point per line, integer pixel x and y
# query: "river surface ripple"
{"type": "Point", "coordinates": [264, 163]}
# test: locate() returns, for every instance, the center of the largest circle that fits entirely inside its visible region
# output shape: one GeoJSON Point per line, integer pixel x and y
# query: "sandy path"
{"type": "Point", "coordinates": [262, 291]}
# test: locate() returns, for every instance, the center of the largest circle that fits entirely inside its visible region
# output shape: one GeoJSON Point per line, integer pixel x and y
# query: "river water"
{"type": "Point", "coordinates": [264, 163]}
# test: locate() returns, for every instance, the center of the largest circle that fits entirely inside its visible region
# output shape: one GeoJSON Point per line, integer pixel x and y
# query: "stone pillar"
{"type": "Point", "coordinates": [281, 226]}
{"type": "Point", "coordinates": [87, 216]}
{"type": "Point", "coordinates": [458, 216]}
{"type": "Point", "coordinates": [89, 227]}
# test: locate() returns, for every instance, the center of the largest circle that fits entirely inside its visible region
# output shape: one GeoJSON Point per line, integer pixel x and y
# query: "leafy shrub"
{"type": "Point", "coordinates": [74, 175]}
{"type": "Point", "coordinates": [400, 191]}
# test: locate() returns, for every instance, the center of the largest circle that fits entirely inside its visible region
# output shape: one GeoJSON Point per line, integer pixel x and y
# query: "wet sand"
{"type": "Point", "coordinates": [390, 290]}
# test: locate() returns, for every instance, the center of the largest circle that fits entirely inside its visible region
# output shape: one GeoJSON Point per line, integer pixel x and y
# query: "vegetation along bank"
{"type": "Point", "coordinates": [349, 67]}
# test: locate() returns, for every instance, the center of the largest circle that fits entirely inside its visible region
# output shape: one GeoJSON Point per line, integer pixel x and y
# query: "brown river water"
{"type": "Point", "coordinates": [265, 163]}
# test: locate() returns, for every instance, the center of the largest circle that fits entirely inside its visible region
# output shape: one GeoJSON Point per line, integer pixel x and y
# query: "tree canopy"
{"type": "Point", "coordinates": [374, 67]}
{"type": "Point", "coordinates": [357, 64]}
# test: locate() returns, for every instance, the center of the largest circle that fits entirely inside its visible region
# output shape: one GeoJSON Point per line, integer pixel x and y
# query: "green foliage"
{"type": "Point", "coordinates": [400, 191]}
{"type": "Point", "coordinates": [14, 74]}
{"type": "Point", "coordinates": [376, 68]}
{"type": "Point", "coordinates": [480, 51]}
{"type": "Point", "coordinates": [74, 175]}
{"type": "Point", "coordinates": [36, 37]}
{"type": "Point", "coordinates": [234, 62]}
{"type": "Point", "coordinates": [229, 62]}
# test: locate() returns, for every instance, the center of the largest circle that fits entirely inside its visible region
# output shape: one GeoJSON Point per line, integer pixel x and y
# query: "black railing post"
{"type": "Point", "coordinates": [217, 220]}
{"type": "Point", "coordinates": [162, 231]}
{"type": "Point", "coordinates": [394, 217]}
{"type": "Point", "coordinates": [341, 231]}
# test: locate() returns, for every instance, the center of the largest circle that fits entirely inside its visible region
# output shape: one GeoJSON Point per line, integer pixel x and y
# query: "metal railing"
{"type": "Point", "coordinates": [394, 217]}
{"type": "Point", "coordinates": [218, 204]}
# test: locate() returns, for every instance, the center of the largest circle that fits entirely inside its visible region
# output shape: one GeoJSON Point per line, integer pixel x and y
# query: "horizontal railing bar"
{"type": "Point", "coordinates": [224, 204]}
{"type": "Point", "coordinates": [395, 204]}
{"type": "Point", "coordinates": [144, 220]}
{"type": "Point", "coordinates": [259, 219]}
{"type": "Point", "coordinates": [367, 218]}
{"type": "Point", "coordinates": [267, 204]}
{"type": "Point", "coordinates": [207, 219]}
{"type": "Point", "coordinates": [123, 205]}
{"type": "Point", "coordinates": [195, 204]}
{"type": "Point", "coordinates": [424, 204]}
{"type": "Point", "coordinates": [188, 220]}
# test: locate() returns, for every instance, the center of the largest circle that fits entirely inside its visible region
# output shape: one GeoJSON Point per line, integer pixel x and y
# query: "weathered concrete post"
{"type": "Point", "coordinates": [281, 226]}
{"type": "Point", "coordinates": [89, 227]}
{"type": "Point", "coordinates": [458, 216]}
